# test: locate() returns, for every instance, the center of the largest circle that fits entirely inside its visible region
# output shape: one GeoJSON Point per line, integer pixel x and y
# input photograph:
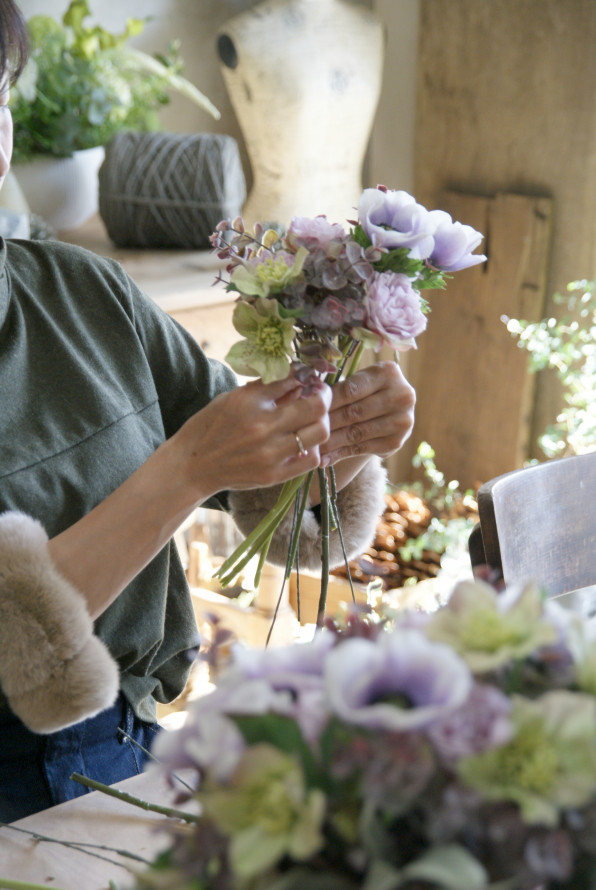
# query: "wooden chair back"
{"type": "Point", "coordinates": [539, 524]}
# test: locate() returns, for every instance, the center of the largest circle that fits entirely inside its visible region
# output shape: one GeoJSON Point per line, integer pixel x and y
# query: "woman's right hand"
{"type": "Point", "coordinates": [246, 438]}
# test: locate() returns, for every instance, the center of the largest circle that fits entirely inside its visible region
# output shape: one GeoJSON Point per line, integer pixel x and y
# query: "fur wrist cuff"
{"type": "Point", "coordinates": [53, 671]}
{"type": "Point", "coordinates": [360, 504]}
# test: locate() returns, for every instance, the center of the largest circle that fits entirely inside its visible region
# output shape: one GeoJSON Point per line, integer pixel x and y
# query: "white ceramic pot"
{"type": "Point", "coordinates": [63, 191]}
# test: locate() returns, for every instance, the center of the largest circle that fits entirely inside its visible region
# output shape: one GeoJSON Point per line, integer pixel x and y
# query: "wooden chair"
{"type": "Point", "coordinates": [539, 524]}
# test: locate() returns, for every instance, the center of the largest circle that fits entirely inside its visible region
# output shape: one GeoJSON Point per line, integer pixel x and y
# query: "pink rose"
{"type": "Point", "coordinates": [393, 310]}
{"type": "Point", "coordinates": [313, 233]}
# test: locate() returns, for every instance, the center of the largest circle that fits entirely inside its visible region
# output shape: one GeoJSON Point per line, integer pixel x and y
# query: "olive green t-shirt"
{"type": "Point", "coordinates": [93, 378]}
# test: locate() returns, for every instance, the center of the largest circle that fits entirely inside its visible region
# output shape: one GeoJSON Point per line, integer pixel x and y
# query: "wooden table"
{"type": "Point", "coordinates": [94, 818]}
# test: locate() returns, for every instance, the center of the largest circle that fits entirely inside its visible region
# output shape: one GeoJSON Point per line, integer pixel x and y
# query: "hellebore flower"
{"type": "Point", "coordinates": [266, 811]}
{"type": "Point", "coordinates": [490, 629]}
{"type": "Point", "coordinates": [454, 244]}
{"type": "Point", "coordinates": [550, 761]}
{"type": "Point", "coordinates": [268, 272]}
{"type": "Point", "coordinates": [393, 311]}
{"type": "Point", "coordinates": [267, 350]}
{"type": "Point", "coordinates": [393, 219]}
{"type": "Point", "coordinates": [398, 682]}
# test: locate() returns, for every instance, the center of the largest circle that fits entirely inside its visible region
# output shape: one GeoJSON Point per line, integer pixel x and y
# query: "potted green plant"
{"type": "Point", "coordinates": [81, 86]}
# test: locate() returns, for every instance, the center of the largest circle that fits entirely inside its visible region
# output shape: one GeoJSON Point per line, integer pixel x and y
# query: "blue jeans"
{"type": "Point", "coordinates": [35, 769]}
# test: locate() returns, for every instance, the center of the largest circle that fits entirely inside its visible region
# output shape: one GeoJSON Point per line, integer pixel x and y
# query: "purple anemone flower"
{"type": "Point", "coordinates": [399, 682]}
{"type": "Point", "coordinates": [393, 219]}
{"type": "Point", "coordinates": [454, 244]}
{"type": "Point", "coordinates": [295, 671]}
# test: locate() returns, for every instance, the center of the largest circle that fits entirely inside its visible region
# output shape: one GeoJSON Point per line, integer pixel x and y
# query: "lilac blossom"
{"type": "Point", "coordinates": [454, 243]}
{"type": "Point", "coordinates": [318, 357]}
{"type": "Point", "coordinates": [333, 314]}
{"type": "Point", "coordinates": [399, 767]}
{"type": "Point", "coordinates": [393, 310]}
{"type": "Point", "coordinates": [482, 722]}
{"type": "Point", "coordinates": [366, 681]}
{"type": "Point", "coordinates": [394, 219]}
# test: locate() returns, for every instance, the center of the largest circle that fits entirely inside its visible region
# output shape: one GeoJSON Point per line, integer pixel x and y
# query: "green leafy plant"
{"type": "Point", "coordinates": [83, 84]}
{"type": "Point", "coordinates": [454, 511]}
{"type": "Point", "coordinates": [567, 346]}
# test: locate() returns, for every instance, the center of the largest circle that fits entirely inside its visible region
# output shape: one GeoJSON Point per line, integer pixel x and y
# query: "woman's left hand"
{"type": "Point", "coordinates": [371, 413]}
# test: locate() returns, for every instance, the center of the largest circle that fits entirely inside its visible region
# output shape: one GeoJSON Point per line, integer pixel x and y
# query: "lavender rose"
{"type": "Point", "coordinates": [393, 219]}
{"type": "Point", "coordinates": [454, 244]}
{"type": "Point", "coordinates": [393, 310]}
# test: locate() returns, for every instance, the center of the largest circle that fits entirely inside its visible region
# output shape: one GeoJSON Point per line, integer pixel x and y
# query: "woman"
{"type": "Point", "coordinates": [114, 427]}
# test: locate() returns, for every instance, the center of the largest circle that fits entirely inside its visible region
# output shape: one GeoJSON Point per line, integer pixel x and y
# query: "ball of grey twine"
{"type": "Point", "coordinates": [169, 189]}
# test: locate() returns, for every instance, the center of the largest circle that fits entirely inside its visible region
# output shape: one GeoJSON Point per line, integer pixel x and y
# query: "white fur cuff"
{"type": "Point", "coordinates": [360, 504]}
{"type": "Point", "coordinates": [53, 671]}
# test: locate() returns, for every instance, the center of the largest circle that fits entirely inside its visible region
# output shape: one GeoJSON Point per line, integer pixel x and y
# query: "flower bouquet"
{"type": "Point", "coordinates": [453, 749]}
{"type": "Point", "coordinates": [311, 298]}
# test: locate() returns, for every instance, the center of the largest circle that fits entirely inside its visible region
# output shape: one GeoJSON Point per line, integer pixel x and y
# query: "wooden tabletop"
{"type": "Point", "coordinates": [94, 818]}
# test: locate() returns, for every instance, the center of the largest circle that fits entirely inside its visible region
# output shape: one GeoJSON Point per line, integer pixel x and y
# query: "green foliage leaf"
{"type": "Point", "coordinates": [360, 236]}
{"type": "Point", "coordinates": [449, 867]}
{"type": "Point", "coordinates": [283, 733]}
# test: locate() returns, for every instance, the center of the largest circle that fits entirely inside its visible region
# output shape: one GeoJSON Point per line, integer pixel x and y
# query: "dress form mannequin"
{"type": "Point", "coordinates": [304, 77]}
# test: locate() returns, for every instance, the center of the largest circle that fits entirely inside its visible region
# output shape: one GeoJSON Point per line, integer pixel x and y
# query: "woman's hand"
{"type": "Point", "coordinates": [247, 438]}
{"type": "Point", "coordinates": [242, 439]}
{"type": "Point", "coordinates": [371, 413]}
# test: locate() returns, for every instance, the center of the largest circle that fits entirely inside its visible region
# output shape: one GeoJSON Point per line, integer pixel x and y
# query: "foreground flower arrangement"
{"type": "Point", "coordinates": [451, 750]}
{"type": "Point", "coordinates": [311, 298]}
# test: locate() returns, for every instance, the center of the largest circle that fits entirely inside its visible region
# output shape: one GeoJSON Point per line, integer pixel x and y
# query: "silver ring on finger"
{"type": "Point", "coordinates": [302, 451]}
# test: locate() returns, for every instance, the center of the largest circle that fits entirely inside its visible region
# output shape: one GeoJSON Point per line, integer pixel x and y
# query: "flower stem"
{"type": "Point", "coordinates": [298, 525]}
{"type": "Point", "coordinates": [355, 361]}
{"type": "Point", "coordinates": [259, 535]}
{"type": "Point", "coordinates": [335, 512]}
{"type": "Point", "coordinates": [324, 489]}
{"type": "Point", "coordinates": [262, 558]}
{"type": "Point", "coordinates": [8, 884]}
{"type": "Point", "coordinates": [135, 801]}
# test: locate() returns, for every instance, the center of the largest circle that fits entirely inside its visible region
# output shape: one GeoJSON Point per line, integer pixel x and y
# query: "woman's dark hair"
{"type": "Point", "coordinates": [14, 41]}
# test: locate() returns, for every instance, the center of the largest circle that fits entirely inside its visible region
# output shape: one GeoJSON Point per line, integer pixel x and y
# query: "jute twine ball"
{"type": "Point", "coordinates": [169, 189]}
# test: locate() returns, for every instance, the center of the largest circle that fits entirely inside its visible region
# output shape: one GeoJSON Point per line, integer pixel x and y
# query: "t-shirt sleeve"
{"type": "Point", "coordinates": [185, 379]}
